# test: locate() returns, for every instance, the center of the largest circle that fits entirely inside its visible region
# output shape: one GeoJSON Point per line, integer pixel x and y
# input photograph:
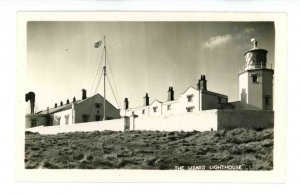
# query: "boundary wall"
{"type": "Point", "coordinates": [249, 119]}
{"type": "Point", "coordinates": [113, 125]}
{"type": "Point", "coordinates": [209, 120]}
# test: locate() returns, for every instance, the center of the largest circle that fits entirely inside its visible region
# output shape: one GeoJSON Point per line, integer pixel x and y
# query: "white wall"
{"type": "Point", "coordinates": [200, 121]}
{"type": "Point", "coordinates": [174, 107]}
{"type": "Point", "coordinates": [159, 108]}
{"type": "Point", "coordinates": [243, 87]}
{"type": "Point", "coordinates": [40, 120]}
{"type": "Point", "coordinates": [183, 101]}
{"type": "Point", "coordinates": [62, 115]}
{"type": "Point", "coordinates": [113, 125]}
{"type": "Point", "coordinates": [255, 92]}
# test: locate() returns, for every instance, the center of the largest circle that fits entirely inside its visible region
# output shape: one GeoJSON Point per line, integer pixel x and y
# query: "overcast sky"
{"type": "Point", "coordinates": [144, 56]}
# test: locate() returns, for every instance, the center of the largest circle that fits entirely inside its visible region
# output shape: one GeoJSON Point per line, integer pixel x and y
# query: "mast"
{"type": "Point", "coordinates": [104, 71]}
{"type": "Point", "coordinates": [106, 59]}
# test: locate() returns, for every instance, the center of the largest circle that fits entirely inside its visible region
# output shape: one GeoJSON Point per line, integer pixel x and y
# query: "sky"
{"type": "Point", "coordinates": [144, 57]}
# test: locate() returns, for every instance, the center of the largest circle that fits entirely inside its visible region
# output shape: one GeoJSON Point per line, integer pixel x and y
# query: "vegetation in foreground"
{"type": "Point", "coordinates": [150, 149]}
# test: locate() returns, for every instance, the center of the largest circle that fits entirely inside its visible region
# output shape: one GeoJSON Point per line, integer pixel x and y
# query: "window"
{"type": "Point", "coordinates": [190, 109]}
{"type": "Point", "coordinates": [33, 123]}
{"type": "Point", "coordinates": [169, 107]}
{"type": "Point", "coordinates": [268, 100]}
{"type": "Point", "coordinates": [220, 100]}
{"type": "Point", "coordinates": [155, 109]}
{"type": "Point", "coordinates": [67, 119]}
{"type": "Point", "coordinates": [143, 111]}
{"type": "Point", "coordinates": [58, 120]}
{"type": "Point", "coordinates": [98, 117]}
{"type": "Point", "coordinates": [98, 105]}
{"type": "Point", "coordinates": [254, 78]}
{"type": "Point", "coordinates": [190, 98]}
{"type": "Point", "coordinates": [85, 118]}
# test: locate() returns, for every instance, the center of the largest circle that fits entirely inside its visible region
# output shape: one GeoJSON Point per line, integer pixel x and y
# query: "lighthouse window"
{"type": "Point", "coordinates": [254, 78]}
{"type": "Point", "coordinates": [267, 100]}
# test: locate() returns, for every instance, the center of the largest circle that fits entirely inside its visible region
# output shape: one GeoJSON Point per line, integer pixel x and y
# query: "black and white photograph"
{"type": "Point", "coordinates": [182, 95]}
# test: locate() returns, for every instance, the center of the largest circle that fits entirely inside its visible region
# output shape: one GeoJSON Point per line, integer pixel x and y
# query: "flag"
{"type": "Point", "coordinates": [252, 40]}
{"type": "Point", "coordinates": [97, 44]}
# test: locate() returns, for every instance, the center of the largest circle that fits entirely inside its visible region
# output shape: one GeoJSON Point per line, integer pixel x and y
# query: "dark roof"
{"type": "Point", "coordinates": [57, 109]}
{"type": "Point", "coordinates": [68, 106]}
{"type": "Point", "coordinates": [256, 49]}
{"type": "Point", "coordinates": [214, 93]}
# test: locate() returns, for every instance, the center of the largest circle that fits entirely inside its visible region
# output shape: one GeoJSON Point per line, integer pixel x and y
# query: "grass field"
{"type": "Point", "coordinates": [150, 149]}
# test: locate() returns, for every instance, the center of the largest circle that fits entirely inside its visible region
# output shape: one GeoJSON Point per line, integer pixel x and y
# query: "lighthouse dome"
{"type": "Point", "coordinates": [256, 58]}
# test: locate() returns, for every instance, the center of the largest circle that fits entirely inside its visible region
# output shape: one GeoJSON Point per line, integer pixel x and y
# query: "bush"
{"type": "Point", "coordinates": [78, 156]}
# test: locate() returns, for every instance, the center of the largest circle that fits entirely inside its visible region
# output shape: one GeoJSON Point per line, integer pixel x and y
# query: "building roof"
{"type": "Point", "coordinates": [57, 109]}
{"type": "Point", "coordinates": [176, 101]}
{"type": "Point", "coordinates": [214, 93]}
{"type": "Point", "coordinates": [155, 101]}
{"type": "Point", "coordinates": [68, 106]}
{"type": "Point", "coordinates": [188, 89]}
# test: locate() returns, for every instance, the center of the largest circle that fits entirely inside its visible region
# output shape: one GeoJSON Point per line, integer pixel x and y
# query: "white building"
{"type": "Point", "coordinates": [192, 100]}
{"type": "Point", "coordinates": [196, 108]}
{"type": "Point", "coordinates": [255, 92]}
{"type": "Point", "coordinates": [78, 111]}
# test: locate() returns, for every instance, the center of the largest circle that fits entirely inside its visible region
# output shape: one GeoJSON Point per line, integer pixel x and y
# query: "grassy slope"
{"type": "Point", "coordinates": [150, 149]}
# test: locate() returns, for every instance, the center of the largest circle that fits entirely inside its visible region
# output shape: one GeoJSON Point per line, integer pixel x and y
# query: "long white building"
{"type": "Point", "coordinates": [255, 92]}
{"type": "Point", "coordinates": [191, 100]}
{"type": "Point", "coordinates": [78, 111]}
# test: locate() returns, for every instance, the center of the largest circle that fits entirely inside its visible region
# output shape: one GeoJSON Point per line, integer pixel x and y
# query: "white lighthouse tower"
{"type": "Point", "coordinates": [256, 80]}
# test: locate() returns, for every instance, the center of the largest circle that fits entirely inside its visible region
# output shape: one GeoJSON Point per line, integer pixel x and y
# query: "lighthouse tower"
{"type": "Point", "coordinates": [256, 80]}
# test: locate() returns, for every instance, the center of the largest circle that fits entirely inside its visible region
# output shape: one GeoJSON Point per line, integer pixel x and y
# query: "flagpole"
{"type": "Point", "coordinates": [104, 70]}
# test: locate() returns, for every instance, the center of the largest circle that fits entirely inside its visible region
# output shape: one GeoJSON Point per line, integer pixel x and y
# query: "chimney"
{"type": "Point", "coordinates": [146, 100]}
{"type": "Point", "coordinates": [31, 97]}
{"type": "Point", "coordinates": [74, 99]}
{"type": "Point", "coordinates": [126, 104]}
{"type": "Point", "coordinates": [68, 101]}
{"type": "Point", "coordinates": [202, 83]}
{"type": "Point", "coordinates": [55, 105]}
{"type": "Point", "coordinates": [61, 103]}
{"type": "Point", "coordinates": [170, 94]}
{"type": "Point", "coordinates": [83, 94]}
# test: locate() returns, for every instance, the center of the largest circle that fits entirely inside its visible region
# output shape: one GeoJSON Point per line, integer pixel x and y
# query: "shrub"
{"type": "Point", "coordinates": [78, 156]}
{"type": "Point", "coordinates": [35, 149]}
{"type": "Point", "coordinates": [31, 133]}
{"type": "Point", "coordinates": [50, 165]}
